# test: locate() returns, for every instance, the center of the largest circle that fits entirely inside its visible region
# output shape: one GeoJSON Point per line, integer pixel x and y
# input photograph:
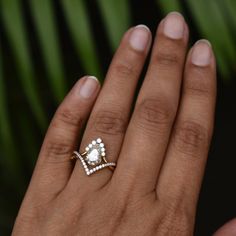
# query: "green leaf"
{"type": "Point", "coordinates": [170, 5]}
{"type": "Point", "coordinates": [208, 17]}
{"type": "Point", "coordinates": [79, 25]}
{"type": "Point", "coordinates": [116, 17]}
{"type": "Point", "coordinates": [43, 14]}
{"type": "Point", "coordinates": [15, 29]}
{"type": "Point", "coordinates": [229, 9]}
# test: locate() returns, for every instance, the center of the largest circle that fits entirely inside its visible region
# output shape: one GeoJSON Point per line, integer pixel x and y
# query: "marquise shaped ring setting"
{"type": "Point", "coordinates": [94, 157]}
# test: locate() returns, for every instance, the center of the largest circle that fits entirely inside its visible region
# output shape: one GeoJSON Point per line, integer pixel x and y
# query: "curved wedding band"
{"type": "Point", "coordinates": [94, 157]}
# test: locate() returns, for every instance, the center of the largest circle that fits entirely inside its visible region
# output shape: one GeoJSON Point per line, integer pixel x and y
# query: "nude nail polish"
{"type": "Point", "coordinates": [201, 54]}
{"type": "Point", "coordinates": [139, 38]}
{"type": "Point", "coordinates": [174, 25]}
{"type": "Point", "coordinates": [89, 87]}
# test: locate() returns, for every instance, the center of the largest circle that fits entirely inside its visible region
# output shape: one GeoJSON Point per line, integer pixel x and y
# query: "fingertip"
{"type": "Point", "coordinates": [201, 54]}
{"type": "Point", "coordinates": [89, 87]}
{"type": "Point", "coordinates": [174, 26]}
{"type": "Point", "coordinates": [140, 38]}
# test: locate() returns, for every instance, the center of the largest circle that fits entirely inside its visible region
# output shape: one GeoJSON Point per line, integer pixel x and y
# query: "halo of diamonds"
{"type": "Point", "coordinates": [94, 160]}
{"type": "Point", "coordinates": [95, 152]}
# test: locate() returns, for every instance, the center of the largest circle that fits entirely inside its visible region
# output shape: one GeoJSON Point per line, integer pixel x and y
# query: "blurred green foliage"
{"type": "Point", "coordinates": [20, 126]}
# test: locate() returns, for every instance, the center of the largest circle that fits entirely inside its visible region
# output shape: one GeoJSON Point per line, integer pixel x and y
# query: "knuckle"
{"type": "Point", "coordinates": [153, 113]}
{"type": "Point", "coordinates": [198, 87]}
{"type": "Point", "coordinates": [167, 58]}
{"type": "Point", "coordinates": [197, 90]}
{"type": "Point", "coordinates": [57, 151]}
{"type": "Point", "coordinates": [68, 117]}
{"type": "Point", "coordinates": [110, 122]}
{"type": "Point", "coordinates": [123, 69]}
{"type": "Point", "coordinates": [190, 137]}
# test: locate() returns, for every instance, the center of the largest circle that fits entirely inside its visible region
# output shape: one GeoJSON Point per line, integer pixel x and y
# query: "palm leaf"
{"type": "Point", "coordinates": [16, 32]}
{"type": "Point", "coordinates": [79, 25]}
{"type": "Point", "coordinates": [228, 10]}
{"type": "Point", "coordinates": [210, 23]}
{"type": "Point", "coordinates": [43, 14]}
{"type": "Point", "coordinates": [116, 17]}
{"type": "Point", "coordinates": [170, 5]}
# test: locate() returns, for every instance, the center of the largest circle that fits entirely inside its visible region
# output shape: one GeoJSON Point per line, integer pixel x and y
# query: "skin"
{"type": "Point", "coordinates": [160, 146]}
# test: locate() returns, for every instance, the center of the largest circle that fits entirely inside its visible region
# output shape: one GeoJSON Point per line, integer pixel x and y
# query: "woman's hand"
{"type": "Point", "coordinates": [160, 147]}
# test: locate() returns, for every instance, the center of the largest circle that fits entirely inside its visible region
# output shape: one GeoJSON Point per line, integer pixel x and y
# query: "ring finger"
{"type": "Point", "coordinates": [111, 112]}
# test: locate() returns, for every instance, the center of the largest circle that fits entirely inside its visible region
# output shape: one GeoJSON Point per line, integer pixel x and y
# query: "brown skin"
{"type": "Point", "coordinates": [161, 148]}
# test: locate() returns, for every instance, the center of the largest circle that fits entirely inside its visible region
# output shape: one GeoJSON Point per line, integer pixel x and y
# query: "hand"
{"type": "Point", "coordinates": [160, 147]}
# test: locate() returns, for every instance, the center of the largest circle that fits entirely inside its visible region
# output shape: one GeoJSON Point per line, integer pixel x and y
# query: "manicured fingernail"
{"type": "Point", "coordinates": [174, 25]}
{"type": "Point", "coordinates": [89, 87]}
{"type": "Point", "coordinates": [201, 54]}
{"type": "Point", "coordinates": [139, 38]}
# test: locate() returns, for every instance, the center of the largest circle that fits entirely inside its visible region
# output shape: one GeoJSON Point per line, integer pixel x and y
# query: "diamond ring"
{"type": "Point", "coordinates": [94, 157]}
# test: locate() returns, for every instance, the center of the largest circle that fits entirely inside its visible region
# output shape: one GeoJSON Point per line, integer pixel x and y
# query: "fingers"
{"type": "Point", "coordinates": [182, 171]}
{"type": "Point", "coordinates": [54, 165]}
{"type": "Point", "coordinates": [149, 129]}
{"type": "Point", "coordinates": [111, 112]}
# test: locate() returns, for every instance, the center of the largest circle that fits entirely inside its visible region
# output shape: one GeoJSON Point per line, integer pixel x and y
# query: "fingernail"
{"type": "Point", "coordinates": [201, 55]}
{"type": "Point", "coordinates": [139, 38]}
{"type": "Point", "coordinates": [89, 87]}
{"type": "Point", "coordinates": [174, 25]}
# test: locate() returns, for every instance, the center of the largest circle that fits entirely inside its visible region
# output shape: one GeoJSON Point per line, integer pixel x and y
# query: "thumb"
{"type": "Point", "coordinates": [229, 229]}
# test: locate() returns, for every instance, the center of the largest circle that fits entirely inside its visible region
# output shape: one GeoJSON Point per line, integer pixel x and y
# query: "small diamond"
{"type": "Point", "coordinates": [101, 144]}
{"type": "Point", "coordinates": [99, 140]}
{"type": "Point", "coordinates": [103, 149]}
{"type": "Point", "coordinates": [103, 154]}
{"type": "Point", "coordinates": [87, 148]}
{"type": "Point", "coordinates": [90, 145]}
{"type": "Point", "coordinates": [93, 142]}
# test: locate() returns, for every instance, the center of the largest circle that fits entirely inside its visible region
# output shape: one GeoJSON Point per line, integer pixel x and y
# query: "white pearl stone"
{"type": "Point", "coordinates": [101, 144]}
{"type": "Point", "coordinates": [103, 154]}
{"type": "Point", "coordinates": [90, 145]}
{"type": "Point", "coordinates": [93, 142]}
{"type": "Point", "coordinates": [87, 148]}
{"type": "Point", "coordinates": [103, 149]}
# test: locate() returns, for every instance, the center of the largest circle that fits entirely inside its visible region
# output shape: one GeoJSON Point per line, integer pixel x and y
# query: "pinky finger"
{"type": "Point", "coordinates": [183, 168]}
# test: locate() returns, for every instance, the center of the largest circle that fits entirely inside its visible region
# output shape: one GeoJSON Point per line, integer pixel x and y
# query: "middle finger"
{"type": "Point", "coordinates": [148, 133]}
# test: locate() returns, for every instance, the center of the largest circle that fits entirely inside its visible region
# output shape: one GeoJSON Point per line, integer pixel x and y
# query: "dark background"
{"type": "Point", "coordinates": [217, 202]}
